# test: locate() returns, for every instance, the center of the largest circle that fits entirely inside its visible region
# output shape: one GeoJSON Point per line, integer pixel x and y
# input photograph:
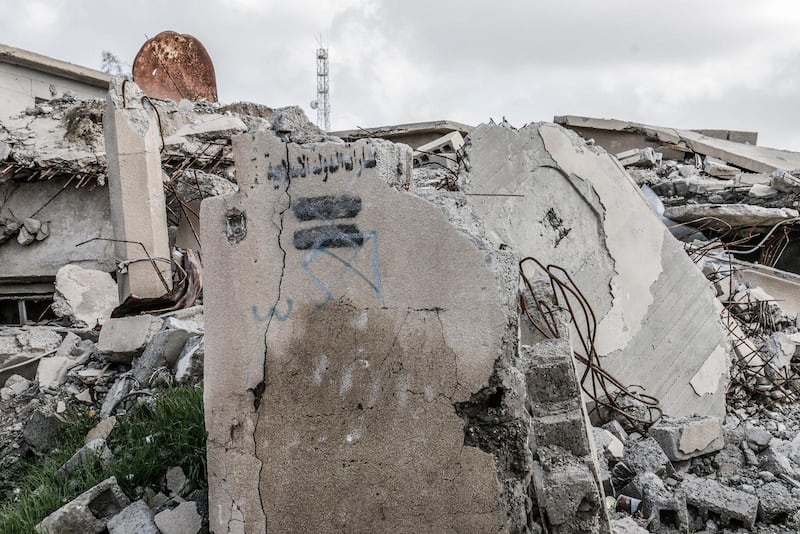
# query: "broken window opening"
{"type": "Point", "coordinates": [22, 311]}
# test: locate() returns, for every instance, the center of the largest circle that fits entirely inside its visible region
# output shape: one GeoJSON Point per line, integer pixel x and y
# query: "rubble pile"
{"type": "Point", "coordinates": [103, 374]}
{"type": "Point", "coordinates": [712, 442]}
{"type": "Point", "coordinates": [704, 473]}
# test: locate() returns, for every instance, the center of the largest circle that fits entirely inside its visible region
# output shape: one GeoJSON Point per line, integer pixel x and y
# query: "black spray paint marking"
{"type": "Point", "coordinates": [328, 236]}
{"type": "Point", "coordinates": [326, 207]}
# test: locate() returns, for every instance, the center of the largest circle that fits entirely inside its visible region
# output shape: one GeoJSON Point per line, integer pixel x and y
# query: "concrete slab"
{"type": "Point", "coordinates": [337, 350]}
{"type": "Point", "coordinates": [741, 154]}
{"type": "Point", "coordinates": [544, 192]}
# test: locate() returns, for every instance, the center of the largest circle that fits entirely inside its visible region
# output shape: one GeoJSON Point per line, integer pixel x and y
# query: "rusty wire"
{"type": "Point", "coordinates": [748, 324]}
{"type": "Point", "coordinates": [149, 259]}
{"type": "Point", "coordinates": [602, 387]}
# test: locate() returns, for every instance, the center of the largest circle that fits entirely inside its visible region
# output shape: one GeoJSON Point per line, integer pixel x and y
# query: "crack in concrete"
{"type": "Point", "coordinates": [258, 391]}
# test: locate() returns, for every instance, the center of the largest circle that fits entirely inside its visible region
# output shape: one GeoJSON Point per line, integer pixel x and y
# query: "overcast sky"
{"type": "Point", "coordinates": [731, 64]}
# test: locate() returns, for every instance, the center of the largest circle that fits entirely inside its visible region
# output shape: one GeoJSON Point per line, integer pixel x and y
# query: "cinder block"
{"type": "Point", "coordinates": [726, 506]}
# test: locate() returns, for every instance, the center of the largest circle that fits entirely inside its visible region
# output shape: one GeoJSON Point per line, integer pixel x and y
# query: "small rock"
{"type": "Point", "coordinates": [84, 396]}
{"type": "Point", "coordinates": [24, 237]}
{"type": "Point", "coordinates": [762, 191]}
{"type": "Point", "coordinates": [32, 225]}
{"type": "Point", "coordinates": [51, 372]}
{"type": "Point", "coordinates": [102, 430]}
{"type": "Point", "coordinates": [41, 430]}
{"type": "Point", "coordinates": [17, 384]}
{"type": "Point", "coordinates": [176, 481]}
{"type": "Point", "coordinates": [136, 518]}
{"type": "Point", "coordinates": [766, 476]}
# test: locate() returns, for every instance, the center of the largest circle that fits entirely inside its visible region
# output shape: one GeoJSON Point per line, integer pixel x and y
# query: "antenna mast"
{"type": "Point", "coordinates": [323, 103]}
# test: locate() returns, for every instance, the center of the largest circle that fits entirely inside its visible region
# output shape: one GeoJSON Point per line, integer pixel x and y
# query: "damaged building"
{"type": "Point", "coordinates": [585, 326]}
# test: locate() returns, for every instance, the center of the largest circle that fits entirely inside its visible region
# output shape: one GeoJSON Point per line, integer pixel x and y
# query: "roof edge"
{"type": "Point", "coordinates": [64, 69]}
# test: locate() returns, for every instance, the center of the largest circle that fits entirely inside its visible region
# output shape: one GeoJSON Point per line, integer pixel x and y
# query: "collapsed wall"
{"type": "Point", "coordinates": [544, 192]}
{"type": "Point", "coordinates": [356, 342]}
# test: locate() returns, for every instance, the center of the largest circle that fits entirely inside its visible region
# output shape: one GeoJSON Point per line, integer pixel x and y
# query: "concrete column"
{"type": "Point", "coordinates": [138, 207]}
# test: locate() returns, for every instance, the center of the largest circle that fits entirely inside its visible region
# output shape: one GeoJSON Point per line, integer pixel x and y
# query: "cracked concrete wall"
{"type": "Point", "coordinates": [349, 328]}
{"type": "Point", "coordinates": [23, 87]}
{"type": "Point", "coordinates": [544, 192]}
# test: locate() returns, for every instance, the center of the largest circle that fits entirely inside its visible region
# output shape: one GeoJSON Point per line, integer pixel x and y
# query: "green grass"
{"type": "Point", "coordinates": [145, 444]}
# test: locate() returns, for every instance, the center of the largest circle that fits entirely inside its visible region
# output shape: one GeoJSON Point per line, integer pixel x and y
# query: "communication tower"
{"type": "Point", "coordinates": [323, 103]}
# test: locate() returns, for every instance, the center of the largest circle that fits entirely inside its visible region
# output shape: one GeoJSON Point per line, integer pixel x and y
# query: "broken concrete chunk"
{"type": "Point", "coordinates": [708, 496]}
{"type": "Point", "coordinates": [211, 126]}
{"type": "Point", "coordinates": [51, 372]}
{"type": "Point", "coordinates": [176, 481]}
{"type": "Point", "coordinates": [569, 500]}
{"type": "Point", "coordinates": [133, 139]}
{"type": "Point", "coordinates": [182, 519]}
{"type": "Point", "coordinates": [85, 296]}
{"type": "Point", "coordinates": [646, 456]}
{"type": "Point", "coordinates": [785, 182]}
{"type": "Point", "coordinates": [611, 446]}
{"type": "Point", "coordinates": [627, 525]}
{"type": "Point", "coordinates": [735, 215]}
{"type": "Point", "coordinates": [135, 518]}
{"type": "Point", "coordinates": [17, 384]}
{"type": "Point", "coordinates": [662, 507]}
{"type": "Point", "coordinates": [32, 225]}
{"type": "Point", "coordinates": [441, 151]}
{"type": "Point", "coordinates": [41, 430]}
{"type": "Point", "coordinates": [757, 438]}
{"type": "Point", "coordinates": [687, 437]}
{"type": "Point", "coordinates": [88, 513]}
{"type": "Point", "coordinates": [775, 460]}
{"type": "Point", "coordinates": [44, 231]}
{"type": "Point", "coordinates": [616, 429]}
{"type": "Point", "coordinates": [164, 348]}
{"type": "Point", "coordinates": [762, 191]}
{"type": "Point", "coordinates": [121, 387]}
{"type": "Point", "coordinates": [91, 451]}
{"type": "Point", "coordinates": [554, 397]}
{"type": "Point", "coordinates": [776, 503]}
{"type": "Point", "coordinates": [718, 168]}
{"type": "Point", "coordinates": [123, 338]}
{"type": "Point", "coordinates": [8, 229]}
{"type": "Point", "coordinates": [101, 430]}
{"type": "Point", "coordinates": [24, 237]}
{"type": "Point", "coordinates": [639, 157]}
{"type": "Point", "coordinates": [728, 461]}
{"type": "Point", "coordinates": [189, 367]}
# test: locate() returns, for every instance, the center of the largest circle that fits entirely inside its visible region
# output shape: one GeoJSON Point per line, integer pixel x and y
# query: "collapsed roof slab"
{"type": "Point", "coordinates": [545, 193]}
{"type": "Point", "coordinates": [743, 155]}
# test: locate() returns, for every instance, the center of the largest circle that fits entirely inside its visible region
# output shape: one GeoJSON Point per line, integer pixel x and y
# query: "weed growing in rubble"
{"type": "Point", "coordinates": [170, 432]}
